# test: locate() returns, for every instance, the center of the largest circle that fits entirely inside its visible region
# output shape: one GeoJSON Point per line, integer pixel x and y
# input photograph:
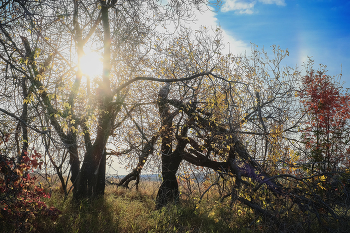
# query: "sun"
{"type": "Point", "coordinates": [91, 64]}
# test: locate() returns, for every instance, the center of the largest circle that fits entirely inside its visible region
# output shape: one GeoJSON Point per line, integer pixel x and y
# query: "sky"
{"type": "Point", "coordinates": [316, 28]}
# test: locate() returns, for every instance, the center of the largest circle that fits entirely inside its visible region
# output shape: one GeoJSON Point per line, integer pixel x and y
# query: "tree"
{"type": "Point", "coordinates": [204, 121]}
{"type": "Point", "coordinates": [326, 134]}
{"type": "Point", "coordinates": [241, 120]}
{"type": "Point", "coordinates": [43, 44]}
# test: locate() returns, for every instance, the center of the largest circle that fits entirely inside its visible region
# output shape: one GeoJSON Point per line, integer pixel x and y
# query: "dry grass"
{"type": "Point", "coordinates": [128, 210]}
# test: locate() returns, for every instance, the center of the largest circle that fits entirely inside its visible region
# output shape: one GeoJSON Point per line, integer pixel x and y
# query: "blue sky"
{"type": "Point", "coordinates": [317, 28]}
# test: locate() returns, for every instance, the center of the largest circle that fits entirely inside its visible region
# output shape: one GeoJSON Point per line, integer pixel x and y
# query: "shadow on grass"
{"type": "Point", "coordinates": [87, 216]}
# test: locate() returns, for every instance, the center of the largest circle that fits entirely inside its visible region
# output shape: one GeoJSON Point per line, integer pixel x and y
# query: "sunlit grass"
{"type": "Point", "coordinates": [124, 210]}
{"type": "Point", "coordinates": [129, 210]}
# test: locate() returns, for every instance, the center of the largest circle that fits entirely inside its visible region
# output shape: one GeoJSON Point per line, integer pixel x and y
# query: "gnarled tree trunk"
{"type": "Point", "coordinates": [169, 189]}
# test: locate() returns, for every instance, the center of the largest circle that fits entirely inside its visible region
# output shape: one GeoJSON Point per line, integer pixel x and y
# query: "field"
{"type": "Point", "coordinates": [123, 210]}
{"type": "Point", "coordinates": [131, 210]}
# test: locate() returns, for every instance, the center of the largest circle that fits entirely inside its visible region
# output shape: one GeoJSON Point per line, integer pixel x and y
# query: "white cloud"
{"type": "Point", "coordinates": [277, 2]}
{"type": "Point", "coordinates": [207, 18]}
{"type": "Point", "coordinates": [247, 6]}
{"type": "Point", "coordinates": [242, 6]}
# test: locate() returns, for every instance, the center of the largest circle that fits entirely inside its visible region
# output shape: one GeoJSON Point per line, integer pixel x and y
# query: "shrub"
{"type": "Point", "coordinates": [20, 204]}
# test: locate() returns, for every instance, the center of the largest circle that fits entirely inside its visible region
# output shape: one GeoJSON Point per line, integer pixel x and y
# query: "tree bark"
{"type": "Point", "coordinates": [75, 164]}
{"type": "Point", "coordinates": [91, 180]}
{"type": "Point", "coordinates": [169, 190]}
{"type": "Point", "coordinates": [24, 121]}
{"type": "Point", "coordinates": [101, 175]}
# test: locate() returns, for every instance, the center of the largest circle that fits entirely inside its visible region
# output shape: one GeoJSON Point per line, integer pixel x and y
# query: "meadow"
{"type": "Point", "coordinates": [131, 210]}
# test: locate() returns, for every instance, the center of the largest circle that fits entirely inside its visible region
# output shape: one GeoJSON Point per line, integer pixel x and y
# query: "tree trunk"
{"type": "Point", "coordinates": [169, 190]}
{"type": "Point", "coordinates": [101, 175]}
{"type": "Point", "coordinates": [91, 180]}
{"type": "Point", "coordinates": [24, 122]}
{"type": "Point", "coordinates": [74, 164]}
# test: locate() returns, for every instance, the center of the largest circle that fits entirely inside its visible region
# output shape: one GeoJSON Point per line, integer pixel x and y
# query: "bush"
{"type": "Point", "coordinates": [20, 206]}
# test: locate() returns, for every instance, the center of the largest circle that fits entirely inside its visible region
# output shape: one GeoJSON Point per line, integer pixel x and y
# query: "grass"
{"type": "Point", "coordinates": [122, 210]}
{"type": "Point", "coordinates": [128, 210]}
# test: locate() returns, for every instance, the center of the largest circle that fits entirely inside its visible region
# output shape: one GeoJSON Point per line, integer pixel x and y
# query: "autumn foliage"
{"type": "Point", "coordinates": [326, 132]}
{"type": "Point", "coordinates": [21, 206]}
